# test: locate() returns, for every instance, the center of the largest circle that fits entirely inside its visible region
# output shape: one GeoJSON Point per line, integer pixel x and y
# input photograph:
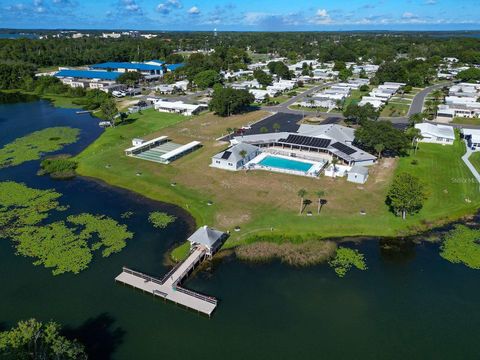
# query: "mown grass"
{"type": "Point", "coordinates": [265, 205]}
{"type": "Point", "coordinates": [395, 110]}
{"type": "Point", "coordinates": [466, 121]}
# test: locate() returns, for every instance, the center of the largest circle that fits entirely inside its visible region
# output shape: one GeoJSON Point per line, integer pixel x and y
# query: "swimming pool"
{"type": "Point", "coordinates": [283, 163]}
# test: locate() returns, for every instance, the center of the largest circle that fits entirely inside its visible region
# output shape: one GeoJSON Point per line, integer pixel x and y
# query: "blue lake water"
{"type": "Point", "coordinates": [409, 304]}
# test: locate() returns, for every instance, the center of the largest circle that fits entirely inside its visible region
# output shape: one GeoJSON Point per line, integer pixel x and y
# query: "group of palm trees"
{"type": "Point", "coordinates": [431, 105]}
{"type": "Point", "coordinates": [320, 199]}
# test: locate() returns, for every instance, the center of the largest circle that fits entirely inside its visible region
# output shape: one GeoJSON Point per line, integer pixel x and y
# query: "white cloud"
{"type": "Point", "coordinates": [131, 6]}
{"type": "Point", "coordinates": [430, 2]}
{"type": "Point", "coordinates": [194, 10]}
{"type": "Point", "coordinates": [166, 7]}
{"type": "Point", "coordinates": [321, 17]}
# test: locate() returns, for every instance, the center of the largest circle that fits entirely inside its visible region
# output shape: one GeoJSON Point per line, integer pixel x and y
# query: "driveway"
{"type": "Point", "coordinates": [467, 162]}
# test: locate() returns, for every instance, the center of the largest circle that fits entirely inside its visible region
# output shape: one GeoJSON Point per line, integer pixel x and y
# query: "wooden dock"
{"type": "Point", "coordinates": [168, 287]}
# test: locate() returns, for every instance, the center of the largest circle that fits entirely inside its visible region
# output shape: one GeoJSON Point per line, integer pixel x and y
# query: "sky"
{"type": "Point", "coordinates": [246, 15]}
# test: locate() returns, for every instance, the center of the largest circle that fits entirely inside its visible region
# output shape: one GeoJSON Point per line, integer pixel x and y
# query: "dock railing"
{"type": "Point", "coordinates": [206, 298]}
{"type": "Point", "coordinates": [142, 275]}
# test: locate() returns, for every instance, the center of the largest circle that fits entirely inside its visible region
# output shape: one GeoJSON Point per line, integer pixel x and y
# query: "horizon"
{"type": "Point", "coordinates": [225, 15]}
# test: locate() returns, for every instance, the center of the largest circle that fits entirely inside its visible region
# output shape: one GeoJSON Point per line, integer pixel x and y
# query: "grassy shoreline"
{"type": "Point", "coordinates": [263, 204]}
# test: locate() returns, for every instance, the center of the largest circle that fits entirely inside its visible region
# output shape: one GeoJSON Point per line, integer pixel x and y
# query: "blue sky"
{"type": "Point", "coordinates": [271, 15]}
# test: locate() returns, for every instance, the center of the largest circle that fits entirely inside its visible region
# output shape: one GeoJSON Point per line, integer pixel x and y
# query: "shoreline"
{"type": "Point", "coordinates": [254, 233]}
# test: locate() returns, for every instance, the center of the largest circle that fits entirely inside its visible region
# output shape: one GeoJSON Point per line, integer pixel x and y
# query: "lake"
{"type": "Point", "coordinates": [408, 304]}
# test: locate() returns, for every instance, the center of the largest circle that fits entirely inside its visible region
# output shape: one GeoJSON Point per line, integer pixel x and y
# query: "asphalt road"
{"type": "Point", "coordinates": [418, 100]}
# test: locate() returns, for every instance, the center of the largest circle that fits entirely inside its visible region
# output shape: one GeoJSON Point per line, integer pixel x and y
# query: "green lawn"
{"type": "Point", "coordinates": [264, 204]}
{"type": "Point", "coordinates": [448, 180]}
{"type": "Point", "coordinates": [466, 121]}
{"type": "Point", "coordinates": [475, 160]}
{"type": "Point", "coordinates": [355, 97]}
{"type": "Point", "coordinates": [394, 110]}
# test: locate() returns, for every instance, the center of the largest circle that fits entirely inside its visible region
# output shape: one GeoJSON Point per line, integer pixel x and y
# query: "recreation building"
{"type": "Point", "coordinates": [161, 149]}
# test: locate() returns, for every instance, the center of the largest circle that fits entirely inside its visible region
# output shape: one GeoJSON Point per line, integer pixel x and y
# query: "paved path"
{"type": "Point", "coordinates": [419, 99]}
{"type": "Point", "coordinates": [467, 162]}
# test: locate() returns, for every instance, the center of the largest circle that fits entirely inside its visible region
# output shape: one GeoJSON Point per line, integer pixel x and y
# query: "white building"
{"type": "Point", "coordinates": [235, 157]}
{"type": "Point", "coordinates": [358, 174]}
{"type": "Point", "coordinates": [472, 136]}
{"type": "Point", "coordinates": [438, 134]}
{"type": "Point", "coordinates": [178, 107]}
{"type": "Point", "coordinates": [207, 237]}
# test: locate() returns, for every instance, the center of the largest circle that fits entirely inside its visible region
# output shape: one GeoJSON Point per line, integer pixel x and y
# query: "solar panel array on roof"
{"type": "Point", "coordinates": [344, 148]}
{"type": "Point", "coordinates": [226, 155]}
{"type": "Point", "coordinates": [307, 141]}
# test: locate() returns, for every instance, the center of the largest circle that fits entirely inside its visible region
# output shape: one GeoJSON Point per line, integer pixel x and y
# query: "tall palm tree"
{"type": "Point", "coordinates": [334, 164]}
{"type": "Point", "coordinates": [379, 149]}
{"type": "Point", "coordinates": [301, 194]}
{"type": "Point", "coordinates": [320, 194]}
{"type": "Point", "coordinates": [243, 154]}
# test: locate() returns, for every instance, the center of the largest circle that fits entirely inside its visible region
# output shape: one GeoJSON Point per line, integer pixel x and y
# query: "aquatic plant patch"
{"type": "Point", "coordinates": [461, 246]}
{"type": "Point", "coordinates": [59, 167]}
{"type": "Point", "coordinates": [32, 146]}
{"type": "Point", "coordinates": [345, 259]}
{"type": "Point", "coordinates": [64, 246]}
{"type": "Point", "coordinates": [160, 219]}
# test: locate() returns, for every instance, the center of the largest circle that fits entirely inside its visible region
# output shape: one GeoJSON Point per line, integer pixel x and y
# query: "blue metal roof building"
{"type": "Point", "coordinates": [89, 74]}
{"type": "Point", "coordinates": [173, 67]}
{"type": "Point", "coordinates": [127, 65]}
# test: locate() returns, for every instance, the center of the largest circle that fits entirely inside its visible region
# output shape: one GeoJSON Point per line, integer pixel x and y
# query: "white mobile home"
{"type": "Point", "coordinates": [437, 134]}
{"type": "Point", "coordinates": [235, 157]}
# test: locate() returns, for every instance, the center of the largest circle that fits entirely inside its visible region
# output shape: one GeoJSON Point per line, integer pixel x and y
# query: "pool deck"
{"type": "Point", "coordinates": [313, 171]}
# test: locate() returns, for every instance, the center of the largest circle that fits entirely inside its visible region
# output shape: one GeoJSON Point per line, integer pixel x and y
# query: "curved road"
{"type": "Point", "coordinates": [415, 107]}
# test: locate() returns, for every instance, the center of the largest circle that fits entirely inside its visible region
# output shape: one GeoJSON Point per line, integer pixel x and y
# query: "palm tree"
{"type": "Point", "coordinates": [334, 164]}
{"type": "Point", "coordinates": [415, 119]}
{"type": "Point", "coordinates": [437, 94]}
{"type": "Point", "coordinates": [229, 132]}
{"type": "Point", "coordinates": [320, 194]}
{"type": "Point", "coordinates": [379, 148]}
{"type": "Point", "coordinates": [243, 154]}
{"type": "Point", "coordinates": [301, 194]}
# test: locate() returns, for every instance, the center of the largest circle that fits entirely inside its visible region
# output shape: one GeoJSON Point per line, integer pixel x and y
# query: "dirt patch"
{"type": "Point", "coordinates": [384, 169]}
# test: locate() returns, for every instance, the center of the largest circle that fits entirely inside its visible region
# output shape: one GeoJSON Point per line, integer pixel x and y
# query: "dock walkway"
{"type": "Point", "coordinates": [168, 287]}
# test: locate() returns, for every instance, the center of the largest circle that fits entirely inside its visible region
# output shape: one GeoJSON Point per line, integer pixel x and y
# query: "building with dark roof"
{"type": "Point", "coordinates": [235, 157]}
{"type": "Point", "coordinates": [332, 139]}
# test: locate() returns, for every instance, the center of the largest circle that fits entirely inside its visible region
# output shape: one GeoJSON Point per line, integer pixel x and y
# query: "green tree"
{"type": "Point", "coordinates": [228, 101]}
{"type": "Point", "coordinates": [320, 194]}
{"type": "Point", "coordinates": [276, 127]}
{"type": "Point", "coordinates": [109, 109]}
{"type": "Point", "coordinates": [35, 340]}
{"type": "Point", "coordinates": [301, 194]}
{"type": "Point", "coordinates": [415, 119]}
{"type": "Point", "coordinates": [406, 194]}
{"type": "Point", "coordinates": [358, 114]}
{"type": "Point", "coordinates": [379, 149]}
{"type": "Point", "coordinates": [207, 78]}
{"type": "Point", "coordinates": [469, 75]}
{"type": "Point", "coordinates": [371, 133]}
{"type": "Point", "coordinates": [262, 77]}
{"type": "Point", "coordinates": [130, 78]}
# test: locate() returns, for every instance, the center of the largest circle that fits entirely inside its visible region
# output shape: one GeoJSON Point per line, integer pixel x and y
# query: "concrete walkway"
{"type": "Point", "coordinates": [467, 162]}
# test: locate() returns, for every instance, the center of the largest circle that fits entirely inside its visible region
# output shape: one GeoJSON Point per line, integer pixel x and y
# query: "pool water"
{"type": "Point", "coordinates": [283, 163]}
